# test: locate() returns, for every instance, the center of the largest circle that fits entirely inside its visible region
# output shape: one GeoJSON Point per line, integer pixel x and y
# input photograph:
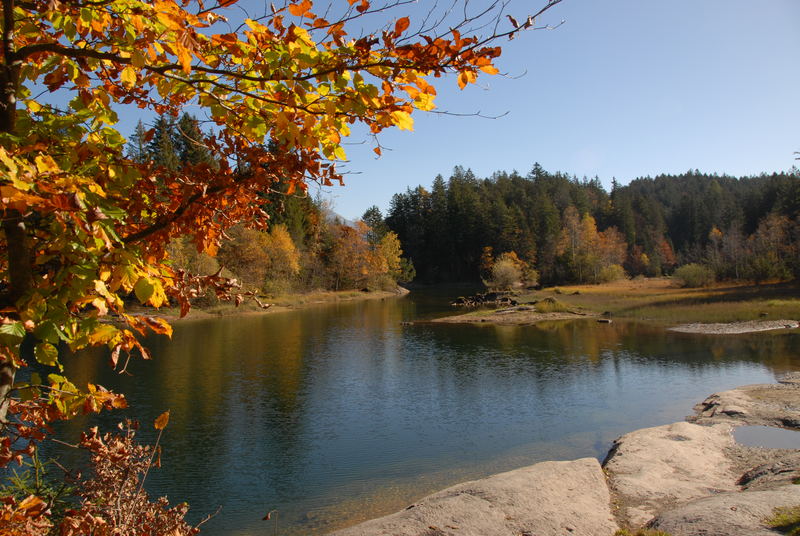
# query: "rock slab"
{"type": "Point", "coordinates": [761, 404]}
{"type": "Point", "coordinates": [546, 499]}
{"type": "Point", "coordinates": [654, 469]}
{"type": "Point", "coordinates": [728, 514]}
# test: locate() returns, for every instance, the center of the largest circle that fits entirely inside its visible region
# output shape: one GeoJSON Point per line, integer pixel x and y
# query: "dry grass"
{"type": "Point", "coordinates": [661, 300]}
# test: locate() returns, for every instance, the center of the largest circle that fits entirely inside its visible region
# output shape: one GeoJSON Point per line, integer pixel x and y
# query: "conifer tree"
{"type": "Point", "coordinates": [161, 148]}
{"type": "Point", "coordinates": [190, 143]}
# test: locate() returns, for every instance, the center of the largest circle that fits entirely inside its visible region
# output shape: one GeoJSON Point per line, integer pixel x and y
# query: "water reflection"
{"type": "Point", "coordinates": [339, 413]}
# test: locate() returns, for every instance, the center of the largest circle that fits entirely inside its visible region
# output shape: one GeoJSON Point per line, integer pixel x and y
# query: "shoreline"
{"type": "Point", "coordinates": [686, 478]}
{"type": "Point", "coordinates": [735, 328]}
{"type": "Point", "coordinates": [721, 309]}
{"type": "Point", "coordinates": [286, 303]}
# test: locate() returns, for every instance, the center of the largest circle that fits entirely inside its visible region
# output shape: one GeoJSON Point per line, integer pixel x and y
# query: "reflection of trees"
{"type": "Point", "coordinates": [274, 404]}
{"type": "Point", "coordinates": [590, 342]}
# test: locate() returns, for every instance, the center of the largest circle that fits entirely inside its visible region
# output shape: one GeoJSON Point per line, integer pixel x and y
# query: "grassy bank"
{"type": "Point", "coordinates": [661, 300]}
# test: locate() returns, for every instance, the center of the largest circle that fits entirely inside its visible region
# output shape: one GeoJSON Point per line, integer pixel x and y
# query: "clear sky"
{"type": "Point", "coordinates": [624, 88]}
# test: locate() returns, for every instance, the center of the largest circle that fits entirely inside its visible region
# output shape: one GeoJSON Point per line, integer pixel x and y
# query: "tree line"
{"type": "Point", "coordinates": [303, 246]}
{"type": "Point", "coordinates": [565, 229]}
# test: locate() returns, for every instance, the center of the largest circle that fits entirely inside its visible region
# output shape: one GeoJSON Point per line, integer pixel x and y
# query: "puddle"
{"type": "Point", "coordinates": [767, 436]}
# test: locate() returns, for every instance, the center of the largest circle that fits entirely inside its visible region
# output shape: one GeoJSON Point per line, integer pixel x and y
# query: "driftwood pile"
{"type": "Point", "coordinates": [497, 299]}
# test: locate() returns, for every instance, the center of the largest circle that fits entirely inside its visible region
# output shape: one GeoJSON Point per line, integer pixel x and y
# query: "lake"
{"type": "Point", "coordinates": [335, 414]}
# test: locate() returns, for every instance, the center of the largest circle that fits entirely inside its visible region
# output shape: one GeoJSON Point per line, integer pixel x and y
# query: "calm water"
{"type": "Point", "coordinates": [767, 436]}
{"type": "Point", "coordinates": [340, 413]}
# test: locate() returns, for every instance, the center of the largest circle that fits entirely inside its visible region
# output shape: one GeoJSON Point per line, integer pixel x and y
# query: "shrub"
{"type": "Point", "coordinates": [695, 275]}
{"type": "Point", "coordinates": [505, 275]}
{"type": "Point", "coordinates": [607, 274]}
{"type": "Point", "coordinates": [113, 499]}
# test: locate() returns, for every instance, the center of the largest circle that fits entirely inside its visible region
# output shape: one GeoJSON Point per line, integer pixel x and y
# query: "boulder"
{"type": "Point", "coordinates": [546, 499]}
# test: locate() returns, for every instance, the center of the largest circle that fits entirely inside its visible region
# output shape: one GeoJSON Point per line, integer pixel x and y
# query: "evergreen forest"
{"type": "Point", "coordinates": [547, 228]}
{"type": "Point", "coordinates": [571, 230]}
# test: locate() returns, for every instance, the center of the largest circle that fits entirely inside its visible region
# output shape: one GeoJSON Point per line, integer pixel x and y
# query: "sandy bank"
{"type": "Point", "coordinates": [514, 316]}
{"type": "Point", "coordinates": [286, 303]}
{"type": "Point", "coordinates": [732, 328]}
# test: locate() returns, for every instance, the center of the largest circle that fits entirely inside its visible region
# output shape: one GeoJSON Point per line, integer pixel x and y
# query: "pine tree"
{"type": "Point", "coordinates": [137, 145]}
{"type": "Point", "coordinates": [190, 142]}
{"type": "Point", "coordinates": [161, 148]}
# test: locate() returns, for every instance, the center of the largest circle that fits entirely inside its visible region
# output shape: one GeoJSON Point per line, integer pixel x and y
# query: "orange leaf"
{"type": "Point", "coordinates": [466, 77]}
{"type": "Point", "coordinates": [377, 151]}
{"type": "Point", "coordinates": [34, 506]}
{"type": "Point", "coordinates": [162, 420]}
{"type": "Point", "coordinates": [298, 10]}
{"type": "Point", "coordinates": [401, 25]}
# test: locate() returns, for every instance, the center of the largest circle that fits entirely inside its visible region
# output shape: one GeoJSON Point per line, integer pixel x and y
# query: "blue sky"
{"type": "Point", "coordinates": [624, 88]}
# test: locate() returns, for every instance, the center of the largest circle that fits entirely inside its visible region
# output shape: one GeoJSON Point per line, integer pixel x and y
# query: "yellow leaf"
{"type": "Point", "coordinates": [102, 334]}
{"type": "Point", "coordinates": [159, 297]}
{"type": "Point", "coordinates": [34, 106]}
{"type": "Point", "coordinates": [184, 58]}
{"type": "Point", "coordinates": [466, 77]}
{"type": "Point", "coordinates": [489, 69]}
{"type": "Point", "coordinates": [45, 164]}
{"type": "Point", "coordinates": [403, 120]}
{"type": "Point", "coordinates": [8, 162]}
{"type": "Point", "coordinates": [101, 306]}
{"type": "Point", "coordinates": [161, 421]}
{"type": "Point", "coordinates": [423, 101]}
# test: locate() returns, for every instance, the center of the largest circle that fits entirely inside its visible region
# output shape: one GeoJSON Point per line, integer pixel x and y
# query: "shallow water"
{"type": "Point", "coordinates": [340, 413]}
{"type": "Point", "coordinates": [767, 436]}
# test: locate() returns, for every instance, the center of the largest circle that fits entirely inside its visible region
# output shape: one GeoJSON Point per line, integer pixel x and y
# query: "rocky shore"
{"type": "Point", "coordinates": [686, 479]}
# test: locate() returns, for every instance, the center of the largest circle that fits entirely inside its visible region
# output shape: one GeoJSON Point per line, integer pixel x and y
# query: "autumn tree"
{"type": "Point", "coordinates": [507, 271]}
{"type": "Point", "coordinates": [351, 261]}
{"type": "Point", "coordinates": [83, 224]}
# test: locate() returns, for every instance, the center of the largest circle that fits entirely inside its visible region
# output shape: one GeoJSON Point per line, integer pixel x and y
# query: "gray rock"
{"type": "Point", "coordinates": [657, 468]}
{"type": "Point", "coordinates": [546, 499]}
{"type": "Point", "coordinates": [767, 404]}
{"type": "Point", "coordinates": [783, 467]}
{"type": "Point", "coordinates": [728, 514]}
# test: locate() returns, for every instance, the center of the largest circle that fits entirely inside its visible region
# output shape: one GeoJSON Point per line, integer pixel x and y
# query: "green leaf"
{"type": "Point", "coordinates": [15, 329]}
{"type": "Point", "coordinates": [56, 378]}
{"type": "Point", "coordinates": [144, 289]}
{"type": "Point", "coordinates": [12, 334]}
{"type": "Point", "coordinates": [46, 354]}
{"type": "Point", "coordinates": [48, 332]}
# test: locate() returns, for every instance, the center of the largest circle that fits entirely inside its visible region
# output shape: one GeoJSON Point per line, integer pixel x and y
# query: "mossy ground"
{"type": "Point", "coordinates": [786, 520]}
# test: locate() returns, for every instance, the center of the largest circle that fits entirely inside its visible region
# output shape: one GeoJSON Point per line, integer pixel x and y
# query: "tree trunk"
{"type": "Point", "coordinates": [20, 271]}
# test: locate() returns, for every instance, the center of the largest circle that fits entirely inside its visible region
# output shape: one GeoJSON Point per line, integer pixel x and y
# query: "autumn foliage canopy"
{"type": "Point", "coordinates": [84, 227]}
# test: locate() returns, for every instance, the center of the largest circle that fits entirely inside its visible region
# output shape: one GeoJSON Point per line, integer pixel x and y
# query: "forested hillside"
{"type": "Point", "coordinates": [573, 230]}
